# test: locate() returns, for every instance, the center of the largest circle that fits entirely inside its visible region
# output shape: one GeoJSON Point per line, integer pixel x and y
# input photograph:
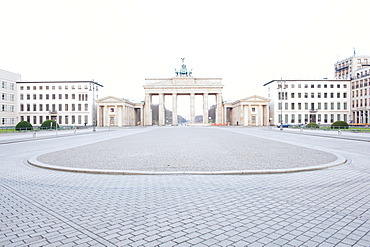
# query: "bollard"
{"type": "Point", "coordinates": [339, 133]}
{"type": "Point", "coordinates": [34, 135]}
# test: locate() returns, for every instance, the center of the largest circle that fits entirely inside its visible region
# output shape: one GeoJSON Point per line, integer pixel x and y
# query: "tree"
{"type": "Point", "coordinates": [49, 124]}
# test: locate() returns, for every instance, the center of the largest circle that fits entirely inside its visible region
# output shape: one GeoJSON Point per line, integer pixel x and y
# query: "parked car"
{"type": "Point", "coordinates": [284, 125]}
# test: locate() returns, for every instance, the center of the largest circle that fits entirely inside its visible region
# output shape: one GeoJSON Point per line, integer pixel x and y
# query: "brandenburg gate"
{"type": "Point", "coordinates": [182, 84]}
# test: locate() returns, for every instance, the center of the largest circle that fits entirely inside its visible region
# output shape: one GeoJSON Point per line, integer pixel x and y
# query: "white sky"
{"type": "Point", "coordinates": [120, 43]}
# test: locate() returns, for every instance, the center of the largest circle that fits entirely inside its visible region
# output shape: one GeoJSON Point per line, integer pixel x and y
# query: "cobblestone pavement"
{"type": "Point", "coordinates": [188, 149]}
{"type": "Point", "coordinates": [327, 207]}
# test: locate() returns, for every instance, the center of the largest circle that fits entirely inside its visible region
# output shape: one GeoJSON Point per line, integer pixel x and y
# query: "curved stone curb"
{"type": "Point", "coordinates": [340, 161]}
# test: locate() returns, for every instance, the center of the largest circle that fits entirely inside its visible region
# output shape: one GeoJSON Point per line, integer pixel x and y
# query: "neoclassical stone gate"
{"type": "Point", "coordinates": [182, 84]}
{"type": "Point", "coordinates": [185, 85]}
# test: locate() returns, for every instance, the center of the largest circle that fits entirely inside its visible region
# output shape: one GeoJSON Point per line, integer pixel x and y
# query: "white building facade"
{"type": "Point", "coordinates": [346, 68]}
{"type": "Point", "coordinates": [8, 100]}
{"type": "Point", "coordinates": [304, 101]}
{"type": "Point", "coordinates": [69, 103]}
{"type": "Point", "coordinates": [360, 96]}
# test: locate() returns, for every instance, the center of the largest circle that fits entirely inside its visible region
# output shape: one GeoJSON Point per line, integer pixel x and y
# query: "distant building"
{"type": "Point", "coordinates": [66, 102]}
{"type": "Point", "coordinates": [346, 68]}
{"type": "Point", "coordinates": [304, 101]}
{"type": "Point", "coordinates": [360, 96]}
{"type": "Point", "coordinates": [8, 100]}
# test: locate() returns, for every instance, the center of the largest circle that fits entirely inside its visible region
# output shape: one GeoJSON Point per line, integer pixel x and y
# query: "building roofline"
{"type": "Point", "coordinates": [94, 82]}
{"type": "Point", "coordinates": [305, 80]}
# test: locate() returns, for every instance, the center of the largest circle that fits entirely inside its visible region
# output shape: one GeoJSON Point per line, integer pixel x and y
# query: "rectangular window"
{"type": "Point", "coordinates": [66, 96]}
{"type": "Point", "coordinates": [34, 107]}
{"type": "Point", "coordinates": [34, 96]}
{"type": "Point", "coordinates": [46, 96]}
{"type": "Point", "coordinates": [73, 107]}
{"type": "Point", "coordinates": [86, 107]}
{"type": "Point", "coordinates": [306, 106]}
{"type": "Point", "coordinates": [338, 117]}
{"type": "Point", "coordinates": [305, 85]}
{"type": "Point", "coordinates": [319, 106]}
{"type": "Point", "coordinates": [40, 96]}
{"type": "Point", "coordinates": [344, 106]}
{"type": "Point", "coordinates": [47, 107]}
{"type": "Point", "coordinates": [299, 106]}
{"type": "Point", "coordinates": [318, 118]}
{"type": "Point", "coordinates": [325, 86]}
{"type": "Point", "coordinates": [338, 106]}
{"type": "Point", "coordinates": [279, 106]}
{"type": "Point", "coordinates": [66, 107]}
{"type": "Point", "coordinates": [306, 118]}
{"type": "Point", "coordinates": [40, 107]}
{"type": "Point", "coordinates": [79, 107]}
{"type": "Point", "coordinates": [318, 95]}
{"type": "Point", "coordinates": [331, 106]}
{"type": "Point", "coordinates": [312, 95]}
{"type": "Point", "coordinates": [331, 85]}
{"type": "Point", "coordinates": [318, 85]}
{"type": "Point", "coordinates": [47, 87]}
{"type": "Point", "coordinates": [325, 106]}
{"type": "Point", "coordinates": [53, 96]}
{"type": "Point", "coordinates": [306, 95]}
{"type": "Point", "coordinates": [286, 106]}
{"type": "Point", "coordinates": [21, 96]}
{"type": "Point", "coordinates": [292, 106]}
{"type": "Point", "coordinates": [293, 118]}
{"type": "Point", "coordinates": [344, 95]}
{"type": "Point", "coordinates": [312, 85]}
{"type": "Point", "coordinates": [325, 118]}
{"type": "Point", "coordinates": [338, 95]}
{"type": "Point", "coordinates": [73, 96]}
{"type": "Point", "coordinates": [332, 118]}
{"type": "Point", "coordinates": [292, 95]}
{"type": "Point", "coordinates": [299, 118]}
{"type": "Point", "coordinates": [299, 95]}
{"type": "Point", "coordinates": [331, 95]}
{"type": "Point", "coordinates": [60, 107]}
{"type": "Point", "coordinates": [325, 95]}
{"type": "Point", "coordinates": [28, 97]}
{"type": "Point", "coordinates": [60, 96]}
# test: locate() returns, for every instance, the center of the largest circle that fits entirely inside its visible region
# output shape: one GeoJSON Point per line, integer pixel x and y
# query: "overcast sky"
{"type": "Point", "coordinates": [120, 43]}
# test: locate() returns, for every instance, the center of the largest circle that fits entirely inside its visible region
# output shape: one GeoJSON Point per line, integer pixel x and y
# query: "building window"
{"type": "Point", "coordinates": [40, 96]}
{"type": "Point", "coordinates": [338, 106]}
{"type": "Point", "coordinates": [306, 106]}
{"type": "Point", "coordinates": [79, 107]}
{"type": "Point", "coordinates": [86, 107]}
{"type": "Point", "coordinates": [318, 95]}
{"type": "Point", "coordinates": [286, 107]}
{"type": "Point", "coordinates": [292, 106]}
{"type": "Point", "coordinates": [325, 95]}
{"type": "Point", "coordinates": [331, 95]}
{"type": "Point", "coordinates": [66, 96]}
{"type": "Point", "coordinates": [299, 106]}
{"type": "Point", "coordinates": [331, 85]}
{"type": "Point", "coordinates": [312, 85]}
{"type": "Point", "coordinates": [325, 106]}
{"type": "Point", "coordinates": [40, 107]}
{"type": "Point", "coordinates": [66, 107]}
{"type": "Point", "coordinates": [22, 107]}
{"type": "Point", "coordinates": [318, 85]}
{"type": "Point", "coordinates": [292, 95]}
{"type": "Point", "coordinates": [28, 97]}
{"type": "Point", "coordinates": [293, 118]}
{"type": "Point", "coordinates": [305, 85]}
{"type": "Point", "coordinates": [60, 107]}
{"type": "Point", "coordinates": [312, 95]}
{"type": "Point", "coordinates": [338, 95]}
{"type": "Point", "coordinates": [47, 87]}
{"type": "Point", "coordinates": [53, 96]}
{"type": "Point", "coordinates": [319, 118]}
{"type": "Point", "coordinates": [46, 96]}
{"type": "Point", "coordinates": [325, 86]}
{"type": "Point", "coordinates": [34, 107]}
{"type": "Point", "coordinates": [112, 109]}
{"type": "Point", "coordinates": [319, 106]}
{"type": "Point", "coordinates": [299, 95]}
{"type": "Point", "coordinates": [73, 107]}
{"type": "Point", "coordinates": [28, 107]}
{"type": "Point", "coordinates": [34, 96]}
{"type": "Point", "coordinates": [306, 95]}
{"type": "Point", "coordinates": [60, 96]}
{"type": "Point", "coordinates": [73, 96]}
{"type": "Point", "coordinates": [325, 118]}
{"type": "Point", "coordinates": [47, 107]}
{"type": "Point", "coordinates": [332, 118]}
{"type": "Point", "coordinates": [344, 95]}
{"type": "Point", "coordinates": [344, 106]}
{"type": "Point", "coordinates": [21, 96]}
{"type": "Point", "coordinates": [331, 106]}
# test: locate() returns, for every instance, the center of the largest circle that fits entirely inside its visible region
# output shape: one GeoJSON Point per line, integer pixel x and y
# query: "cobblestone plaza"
{"type": "Point", "coordinates": [324, 207]}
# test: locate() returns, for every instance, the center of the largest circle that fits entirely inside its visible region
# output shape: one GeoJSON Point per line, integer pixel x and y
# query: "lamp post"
{"type": "Point", "coordinates": [280, 86]}
{"type": "Point", "coordinates": [94, 88]}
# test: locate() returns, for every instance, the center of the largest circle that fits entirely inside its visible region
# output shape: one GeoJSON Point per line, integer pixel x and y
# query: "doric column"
{"type": "Point", "coordinates": [218, 108]}
{"type": "Point", "coordinates": [98, 114]}
{"type": "Point", "coordinates": [161, 113]}
{"type": "Point", "coordinates": [192, 108]}
{"type": "Point", "coordinates": [242, 117]}
{"type": "Point", "coordinates": [119, 116]}
{"type": "Point", "coordinates": [174, 109]}
{"type": "Point", "coordinates": [148, 110]}
{"type": "Point", "coordinates": [106, 115]}
{"type": "Point", "coordinates": [205, 108]}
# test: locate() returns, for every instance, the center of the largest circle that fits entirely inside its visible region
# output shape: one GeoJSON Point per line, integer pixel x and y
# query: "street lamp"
{"type": "Point", "coordinates": [280, 86]}
{"type": "Point", "coordinates": [94, 87]}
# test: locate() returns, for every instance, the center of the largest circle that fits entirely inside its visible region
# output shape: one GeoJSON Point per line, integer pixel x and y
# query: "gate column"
{"type": "Point", "coordinates": [174, 109]}
{"type": "Point", "coordinates": [205, 108]}
{"type": "Point", "coordinates": [161, 113]}
{"type": "Point", "coordinates": [148, 110]}
{"type": "Point", "coordinates": [192, 108]}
